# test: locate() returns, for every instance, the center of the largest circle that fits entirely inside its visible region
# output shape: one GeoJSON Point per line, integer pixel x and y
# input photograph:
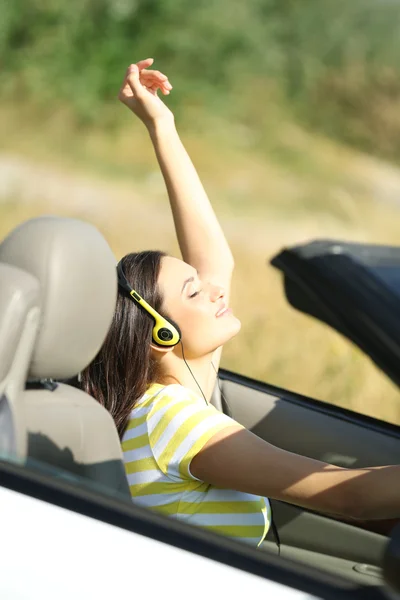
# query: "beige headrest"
{"type": "Point", "coordinates": [78, 287]}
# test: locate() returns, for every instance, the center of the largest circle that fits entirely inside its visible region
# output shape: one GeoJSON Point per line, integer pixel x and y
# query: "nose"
{"type": "Point", "coordinates": [216, 292]}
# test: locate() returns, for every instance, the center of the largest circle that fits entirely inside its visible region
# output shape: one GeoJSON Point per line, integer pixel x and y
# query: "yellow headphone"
{"type": "Point", "coordinates": [164, 332]}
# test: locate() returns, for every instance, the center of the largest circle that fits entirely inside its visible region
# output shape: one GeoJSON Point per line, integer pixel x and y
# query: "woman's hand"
{"type": "Point", "coordinates": [139, 93]}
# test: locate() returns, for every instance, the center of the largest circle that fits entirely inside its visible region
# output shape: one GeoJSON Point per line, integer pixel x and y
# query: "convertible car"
{"type": "Point", "coordinates": [68, 526]}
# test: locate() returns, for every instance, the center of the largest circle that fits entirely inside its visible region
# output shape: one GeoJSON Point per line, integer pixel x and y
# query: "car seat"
{"type": "Point", "coordinates": [68, 429]}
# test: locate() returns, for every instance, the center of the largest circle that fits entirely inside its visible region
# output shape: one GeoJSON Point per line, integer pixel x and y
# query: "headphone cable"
{"type": "Point", "coordinates": [229, 410]}
{"type": "Point", "coordinates": [190, 370]}
{"type": "Point", "coordinates": [198, 385]}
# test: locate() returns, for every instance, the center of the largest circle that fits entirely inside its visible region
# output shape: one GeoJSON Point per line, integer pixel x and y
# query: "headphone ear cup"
{"type": "Point", "coordinates": [166, 332]}
{"type": "Point", "coordinates": [175, 324]}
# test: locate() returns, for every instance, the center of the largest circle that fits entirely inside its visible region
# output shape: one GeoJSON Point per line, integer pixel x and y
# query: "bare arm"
{"type": "Point", "coordinates": [200, 237]}
{"type": "Point", "coordinates": [237, 459]}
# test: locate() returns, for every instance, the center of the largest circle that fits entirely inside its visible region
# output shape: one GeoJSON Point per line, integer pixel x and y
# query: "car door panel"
{"type": "Point", "coordinates": [359, 573]}
{"type": "Point", "coordinates": [356, 572]}
{"type": "Point", "coordinates": [310, 428]}
{"type": "Point", "coordinates": [326, 433]}
{"type": "Point", "coordinates": [317, 533]}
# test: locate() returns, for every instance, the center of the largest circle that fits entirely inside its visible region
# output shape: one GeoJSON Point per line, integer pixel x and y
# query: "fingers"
{"type": "Point", "coordinates": [143, 64]}
{"type": "Point", "coordinates": [139, 78]}
{"type": "Point", "coordinates": [133, 81]}
{"type": "Point", "coordinates": [153, 73]}
{"type": "Point", "coordinates": [153, 90]}
{"type": "Point", "coordinates": [151, 78]}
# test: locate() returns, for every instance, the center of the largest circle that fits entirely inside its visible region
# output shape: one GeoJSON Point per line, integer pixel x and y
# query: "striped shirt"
{"type": "Point", "coordinates": [167, 428]}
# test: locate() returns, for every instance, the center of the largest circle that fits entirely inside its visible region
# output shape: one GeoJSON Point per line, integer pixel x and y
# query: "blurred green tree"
{"type": "Point", "coordinates": [333, 62]}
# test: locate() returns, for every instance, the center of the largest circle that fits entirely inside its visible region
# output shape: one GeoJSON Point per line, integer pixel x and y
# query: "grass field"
{"type": "Point", "coordinates": [292, 188]}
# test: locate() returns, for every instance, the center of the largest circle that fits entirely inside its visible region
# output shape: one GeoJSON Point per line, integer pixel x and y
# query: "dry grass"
{"type": "Point", "coordinates": [264, 204]}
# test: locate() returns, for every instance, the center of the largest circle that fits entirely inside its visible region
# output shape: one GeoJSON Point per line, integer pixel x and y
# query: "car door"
{"type": "Point", "coordinates": [331, 434]}
{"type": "Point", "coordinates": [354, 288]}
{"type": "Point", "coordinates": [93, 543]}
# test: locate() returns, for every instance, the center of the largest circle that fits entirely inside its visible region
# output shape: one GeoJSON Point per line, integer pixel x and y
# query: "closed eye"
{"type": "Point", "coordinates": [194, 294]}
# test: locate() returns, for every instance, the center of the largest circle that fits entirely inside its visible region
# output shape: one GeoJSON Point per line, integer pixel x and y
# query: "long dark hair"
{"type": "Point", "coordinates": [124, 367]}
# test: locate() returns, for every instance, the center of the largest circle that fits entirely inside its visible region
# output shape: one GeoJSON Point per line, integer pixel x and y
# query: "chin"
{"type": "Point", "coordinates": [238, 325]}
{"type": "Point", "coordinates": [234, 327]}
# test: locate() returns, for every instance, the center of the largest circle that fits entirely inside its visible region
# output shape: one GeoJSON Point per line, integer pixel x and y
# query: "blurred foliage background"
{"type": "Point", "coordinates": [334, 63]}
{"type": "Point", "coordinates": [290, 111]}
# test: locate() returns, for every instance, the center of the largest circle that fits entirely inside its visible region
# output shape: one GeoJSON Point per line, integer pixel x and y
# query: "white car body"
{"type": "Point", "coordinates": [48, 553]}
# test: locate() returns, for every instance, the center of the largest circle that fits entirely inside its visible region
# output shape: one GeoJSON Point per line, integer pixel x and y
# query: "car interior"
{"type": "Point", "coordinates": [62, 272]}
{"type": "Point", "coordinates": [308, 427]}
{"type": "Point", "coordinates": [57, 296]}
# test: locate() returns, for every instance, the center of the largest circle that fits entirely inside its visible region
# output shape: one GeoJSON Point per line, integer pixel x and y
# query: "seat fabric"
{"type": "Point", "coordinates": [76, 275]}
{"type": "Point", "coordinates": [19, 321]}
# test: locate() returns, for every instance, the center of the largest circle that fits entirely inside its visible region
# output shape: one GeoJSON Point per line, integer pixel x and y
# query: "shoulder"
{"type": "Point", "coordinates": [159, 396]}
{"type": "Point", "coordinates": [174, 391]}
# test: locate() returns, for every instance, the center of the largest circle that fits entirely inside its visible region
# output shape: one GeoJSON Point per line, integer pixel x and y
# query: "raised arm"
{"type": "Point", "coordinates": [201, 239]}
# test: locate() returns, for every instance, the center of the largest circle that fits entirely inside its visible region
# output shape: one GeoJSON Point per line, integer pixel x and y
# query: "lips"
{"type": "Point", "coordinates": [222, 310]}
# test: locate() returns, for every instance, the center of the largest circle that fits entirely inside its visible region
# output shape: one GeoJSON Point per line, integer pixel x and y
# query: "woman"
{"type": "Point", "coordinates": [182, 456]}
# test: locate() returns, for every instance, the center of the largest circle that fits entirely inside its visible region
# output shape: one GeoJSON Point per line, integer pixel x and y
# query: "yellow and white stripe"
{"type": "Point", "coordinates": [167, 428]}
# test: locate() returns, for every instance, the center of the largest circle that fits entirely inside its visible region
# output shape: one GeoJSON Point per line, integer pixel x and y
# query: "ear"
{"type": "Point", "coordinates": [160, 351]}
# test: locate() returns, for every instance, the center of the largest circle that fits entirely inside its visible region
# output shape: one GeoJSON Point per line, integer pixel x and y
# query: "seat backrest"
{"type": "Point", "coordinates": [19, 319]}
{"type": "Point", "coordinates": [76, 272]}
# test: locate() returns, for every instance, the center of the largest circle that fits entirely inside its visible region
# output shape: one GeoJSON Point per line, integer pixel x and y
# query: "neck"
{"type": "Point", "coordinates": [174, 370]}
